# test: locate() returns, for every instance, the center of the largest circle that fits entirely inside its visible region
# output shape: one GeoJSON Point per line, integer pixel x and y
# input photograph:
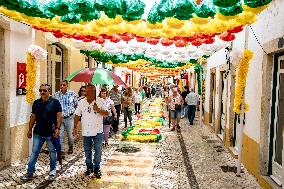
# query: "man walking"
{"type": "Point", "coordinates": [184, 109]}
{"type": "Point", "coordinates": [192, 101]}
{"type": "Point", "coordinates": [115, 95]}
{"type": "Point", "coordinates": [92, 109]}
{"type": "Point", "coordinates": [47, 118]}
{"type": "Point", "coordinates": [68, 100]}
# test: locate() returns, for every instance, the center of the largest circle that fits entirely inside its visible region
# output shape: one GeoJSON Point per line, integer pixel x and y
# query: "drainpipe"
{"type": "Point", "coordinates": [242, 117]}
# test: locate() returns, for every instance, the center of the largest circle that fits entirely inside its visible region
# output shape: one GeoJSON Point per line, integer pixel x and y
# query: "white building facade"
{"type": "Point", "coordinates": [263, 124]}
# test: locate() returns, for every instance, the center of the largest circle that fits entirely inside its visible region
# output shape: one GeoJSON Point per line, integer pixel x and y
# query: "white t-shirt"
{"type": "Point", "coordinates": [92, 123]}
{"type": "Point", "coordinates": [108, 102]}
{"type": "Point", "coordinates": [137, 98]}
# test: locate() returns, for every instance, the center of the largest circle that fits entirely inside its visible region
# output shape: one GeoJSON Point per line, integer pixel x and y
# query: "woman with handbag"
{"type": "Point", "coordinates": [128, 105]}
{"type": "Point", "coordinates": [175, 103]}
{"type": "Point", "coordinates": [107, 121]}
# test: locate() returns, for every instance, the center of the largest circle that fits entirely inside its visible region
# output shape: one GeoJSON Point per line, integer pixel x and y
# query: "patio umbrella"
{"type": "Point", "coordinates": [96, 76]}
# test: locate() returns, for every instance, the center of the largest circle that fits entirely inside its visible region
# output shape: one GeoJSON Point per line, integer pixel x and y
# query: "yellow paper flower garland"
{"type": "Point", "coordinates": [241, 80]}
{"type": "Point", "coordinates": [31, 78]}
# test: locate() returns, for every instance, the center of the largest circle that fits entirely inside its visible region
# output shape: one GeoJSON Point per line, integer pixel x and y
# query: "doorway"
{"type": "Point", "coordinates": [278, 126]}
{"type": "Point", "coordinates": [223, 104]}
{"type": "Point", "coordinates": [2, 95]}
{"type": "Point", "coordinates": [212, 99]}
{"type": "Point", "coordinates": [54, 67]}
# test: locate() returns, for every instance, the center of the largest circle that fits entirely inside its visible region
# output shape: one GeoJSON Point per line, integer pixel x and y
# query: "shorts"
{"type": "Point", "coordinates": [175, 114]}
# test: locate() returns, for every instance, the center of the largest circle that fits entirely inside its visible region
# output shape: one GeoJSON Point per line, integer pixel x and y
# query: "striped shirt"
{"type": "Point", "coordinates": [115, 97]}
{"type": "Point", "coordinates": [68, 101]}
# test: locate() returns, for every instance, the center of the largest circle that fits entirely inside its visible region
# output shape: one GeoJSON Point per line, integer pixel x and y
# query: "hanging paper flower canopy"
{"type": "Point", "coordinates": [93, 18]}
{"type": "Point", "coordinates": [77, 11]}
{"type": "Point", "coordinates": [134, 50]}
{"type": "Point", "coordinates": [227, 36]}
{"type": "Point", "coordinates": [196, 39]}
{"type": "Point", "coordinates": [125, 58]}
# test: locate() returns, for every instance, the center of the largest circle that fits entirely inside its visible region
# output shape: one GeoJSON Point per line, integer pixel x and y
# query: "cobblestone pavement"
{"type": "Point", "coordinates": [190, 158]}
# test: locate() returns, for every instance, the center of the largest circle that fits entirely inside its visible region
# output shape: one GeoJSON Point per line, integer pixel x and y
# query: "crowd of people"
{"type": "Point", "coordinates": [97, 115]}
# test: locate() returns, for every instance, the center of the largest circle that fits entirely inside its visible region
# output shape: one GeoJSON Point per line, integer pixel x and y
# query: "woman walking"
{"type": "Point", "coordinates": [82, 93]}
{"type": "Point", "coordinates": [175, 103]}
{"type": "Point", "coordinates": [138, 100]}
{"type": "Point", "coordinates": [107, 121]}
{"type": "Point", "coordinates": [127, 103]}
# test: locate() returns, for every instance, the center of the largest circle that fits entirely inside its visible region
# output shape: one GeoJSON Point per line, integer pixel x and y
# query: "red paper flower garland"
{"type": "Point", "coordinates": [178, 41]}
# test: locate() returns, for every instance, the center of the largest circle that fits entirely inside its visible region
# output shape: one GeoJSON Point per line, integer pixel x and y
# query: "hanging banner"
{"type": "Point", "coordinates": [21, 79]}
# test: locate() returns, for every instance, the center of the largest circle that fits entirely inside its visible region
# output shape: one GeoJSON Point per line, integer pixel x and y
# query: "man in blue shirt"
{"type": "Point", "coordinates": [68, 100]}
{"type": "Point", "coordinates": [47, 118]}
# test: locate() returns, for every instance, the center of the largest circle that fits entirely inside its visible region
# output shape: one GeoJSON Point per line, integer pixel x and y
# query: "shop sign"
{"type": "Point", "coordinates": [21, 78]}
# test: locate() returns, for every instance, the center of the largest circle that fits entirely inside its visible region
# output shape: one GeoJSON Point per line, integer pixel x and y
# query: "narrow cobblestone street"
{"type": "Point", "coordinates": [190, 158]}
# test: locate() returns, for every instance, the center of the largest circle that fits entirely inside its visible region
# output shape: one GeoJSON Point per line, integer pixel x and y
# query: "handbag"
{"type": "Point", "coordinates": [131, 108]}
{"type": "Point", "coordinates": [177, 107]}
{"type": "Point", "coordinates": [107, 120]}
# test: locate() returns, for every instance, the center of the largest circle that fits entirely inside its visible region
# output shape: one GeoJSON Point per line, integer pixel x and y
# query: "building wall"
{"type": "Point", "coordinates": [18, 41]}
{"type": "Point", "coordinates": [217, 59]}
{"type": "Point", "coordinates": [17, 38]}
{"type": "Point", "coordinates": [269, 26]}
{"type": "Point", "coordinates": [272, 20]}
{"type": "Point", "coordinates": [76, 62]}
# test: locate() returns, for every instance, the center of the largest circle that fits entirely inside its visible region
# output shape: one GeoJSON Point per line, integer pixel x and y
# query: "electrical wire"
{"type": "Point", "coordinates": [258, 40]}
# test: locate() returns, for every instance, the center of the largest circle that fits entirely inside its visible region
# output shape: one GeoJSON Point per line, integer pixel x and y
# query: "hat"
{"type": "Point", "coordinates": [89, 84]}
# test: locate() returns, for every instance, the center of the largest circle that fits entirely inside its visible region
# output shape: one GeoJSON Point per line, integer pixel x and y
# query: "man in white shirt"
{"type": "Point", "coordinates": [192, 101]}
{"type": "Point", "coordinates": [92, 109]}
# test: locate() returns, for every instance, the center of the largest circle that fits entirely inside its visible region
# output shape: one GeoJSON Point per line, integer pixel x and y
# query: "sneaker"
{"type": "Point", "coordinates": [98, 173]}
{"type": "Point", "coordinates": [70, 150]}
{"type": "Point", "coordinates": [27, 177]}
{"type": "Point", "coordinates": [51, 177]}
{"type": "Point", "coordinates": [89, 172]}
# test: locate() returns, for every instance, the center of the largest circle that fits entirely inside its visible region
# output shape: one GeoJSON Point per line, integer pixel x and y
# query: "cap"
{"type": "Point", "coordinates": [89, 84]}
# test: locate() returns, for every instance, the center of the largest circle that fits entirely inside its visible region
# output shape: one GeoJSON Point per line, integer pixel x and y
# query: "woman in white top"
{"type": "Point", "coordinates": [82, 93]}
{"type": "Point", "coordinates": [107, 121]}
{"type": "Point", "coordinates": [175, 104]}
{"type": "Point", "coordinates": [137, 100]}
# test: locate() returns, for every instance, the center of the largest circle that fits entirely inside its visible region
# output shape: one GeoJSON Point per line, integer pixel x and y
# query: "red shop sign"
{"type": "Point", "coordinates": [21, 78]}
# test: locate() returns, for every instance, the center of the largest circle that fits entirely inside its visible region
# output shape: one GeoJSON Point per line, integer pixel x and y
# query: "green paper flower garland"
{"type": "Point", "coordinates": [124, 58]}
{"type": "Point", "coordinates": [86, 10]}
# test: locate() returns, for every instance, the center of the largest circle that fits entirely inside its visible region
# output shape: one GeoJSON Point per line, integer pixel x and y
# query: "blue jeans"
{"type": "Point", "coordinates": [175, 114]}
{"type": "Point", "coordinates": [191, 113]}
{"type": "Point", "coordinates": [184, 110]}
{"type": "Point", "coordinates": [97, 141]}
{"type": "Point", "coordinates": [67, 124]}
{"type": "Point", "coordinates": [38, 141]}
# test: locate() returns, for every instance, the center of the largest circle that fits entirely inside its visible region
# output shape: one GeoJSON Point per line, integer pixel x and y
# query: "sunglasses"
{"type": "Point", "coordinates": [83, 90]}
{"type": "Point", "coordinates": [43, 90]}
